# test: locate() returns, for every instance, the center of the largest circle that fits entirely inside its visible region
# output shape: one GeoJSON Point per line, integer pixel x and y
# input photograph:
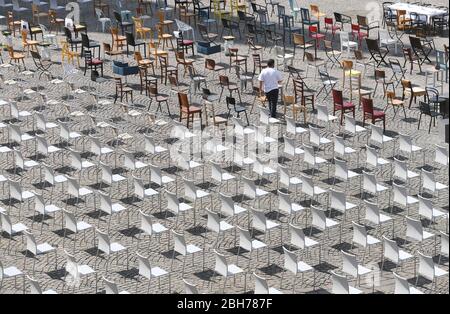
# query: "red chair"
{"type": "Point", "coordinates": [356, 32]}
{"type": "Point", "coordinates": [370, 113]}
{"type": "Point", "coordinates": [340, 105]}
{"type": "Point", "coordinates": [314, 34]}
{"type": "Point", "coordinates": [329, 25]}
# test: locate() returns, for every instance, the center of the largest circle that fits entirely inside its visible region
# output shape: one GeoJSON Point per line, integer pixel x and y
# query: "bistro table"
{"type": "Point", "coordinates": [430, 12]}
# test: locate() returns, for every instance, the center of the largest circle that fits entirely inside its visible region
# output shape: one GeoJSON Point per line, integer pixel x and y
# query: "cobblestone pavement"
{"type": "Point", "coordinates": [86, 119]}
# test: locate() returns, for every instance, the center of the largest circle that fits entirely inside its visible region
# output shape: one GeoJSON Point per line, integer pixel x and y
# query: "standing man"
{"type": "Point", "coordinates": [270, 77]}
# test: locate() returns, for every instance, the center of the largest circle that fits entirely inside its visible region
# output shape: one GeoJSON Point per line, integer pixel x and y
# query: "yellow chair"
{"type": "Point", "coordinates": [28, 44]}
{"type": "Point", "coordinates": [347, 71]}
{"type": "Point", "coordinates": [154, 50]}
{"type": "Point", "coordinates": [289, 100]}
{"type": "Point", "coordinates": [316, 12]}
{"type": "Point", "coordinates": [218, 11]}
{"type": "Point", "coordinates": [164, 38]}
{"type": "Point", "coordinates": [140, 29]}
{"type": "Point", "coordinates": [165, 23]}
{"type": "Point", "coordinates": [68, 54]}
{"type": "Point", "coordinates": [237, 5]}
{"type": "Point", "coordinates": [15, 56]}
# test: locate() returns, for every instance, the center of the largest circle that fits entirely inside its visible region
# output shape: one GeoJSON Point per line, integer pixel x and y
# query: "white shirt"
{"type": "Point", "coordinates": [270, 77]}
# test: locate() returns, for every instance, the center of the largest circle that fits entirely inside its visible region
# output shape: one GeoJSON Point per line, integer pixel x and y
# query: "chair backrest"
{"type": "Point", "coordinates": [35, 287]}
{"type": "Point", "coordinates": [249, 187]}
{"type": "Point", "coordinates": [367, 105]}
{"type": "Point", "coordinates": [179, 243]}
{"type": "Point", "coordinates": [338, 200]}
{"type": "Point", "coordinates": [426, 266]}
{"type": "Point", "coordinates": [349, 264]}
{"type": "Point", "coordinates": [104, 242]}
{"type": "Point", "coordinates": [70, 221]}
{"type": "Point", "coordinates": [307, 185]}
{"type": "Point", "coordinates": [359, 234]}
{"type": "Point", "coordinates": [340, 284]}
{"type": "Point", "coordinates": [290, 261]}
{"type": "Point", "coordinates": [318, 218]}
{"type": "Point", "coordinates": [221, 264]}
{"type": "Point", "coordinates": [441, 155]}
{"type": "Point", "coordinates": [376, 134]}
{"type": "Point", "coordinates": [428, 180]}
{"type": "Point", "coordinates": [213, 221]}
{"type": "Point", "coordinates": [444, 243]}
{"type": "Point", "coordinates": [110, 286]}
{"type": "Point", "coordinates": [372, 212]}
{"type": "Point", "coordinates": [261, 286]}
{"type": "Point", "coordinates": [245, 239]}
{"type": "Point", "coordinates": [297, 236]}
{"type": "Point", "coordinates": [391, 250]}
{"type": "Point", "coordinates": [190, 288]}
{"type": "Point", "coordinates": [145, 268]}
{"type": "Point", "coordinates": [401, 285]}
{"type": "Point", "coordinates": [258, 220]}
{"type": "Point", "coordinates": [414, 229]}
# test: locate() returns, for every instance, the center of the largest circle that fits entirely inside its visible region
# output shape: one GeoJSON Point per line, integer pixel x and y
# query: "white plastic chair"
{"type": "Point", "coordinates": [341, 149]}
{"type": "Point", "coordinates": [298, 239]}
{"type": "Point", "coordinates": [347, 43]}
{"type": "Point", "coordinates": [341, 286]}
{"type": "Point", "coordinates": [184, 249]}
{"type": "Point", "coordinates": [401, 197]}
{"type": "Point", "coordinates": [371, 185]}
{"type": "Point", "coordinates": [290, 147]}
{"type": "Point", "coordinates": [320, 221]}
{"type": "Point", "coordinates": [226, 270]}
{"type": "Point", "coordinates": [10, 228]}
{"type": "Point", "coordinates": [377, 136]}
{"type": "Point", "coordinates": [192, 193]}
{"type": "Point", "coordinates": [415, 232]}
{"type": "Point", "coordinates": [401, 171]}
{"type": "Point", "coordinates": [392, 252]}
{"type": "Point", "coordinates": [219, 175]}
{"type": "Point", "coordinates": [428, 269]}
{"type": "Point", "coordinates": [35, 287]}
{"type": "Point", "coordinates": [294, 266]}
{"type": "Point", "coordinates": [149, 272]}
{"type": "Point", "coordinates": [247, 243]}
{"type": "Point", "coordinates": [374, 216]}
{"type": "Point", "coordinates": [71, 224]}
{"type": "Point", "coordinates": [286, 205]}
{"type": "Point", "coordinates": [292, 128]}
{"type": "Point", "coordinates": [402, 286]}
{"type": "Point", "coordinates": [285, 179]}
{"type": "Point", "coordinates": [360, 237]}
{"type": "Point", "coordinates": [261, 286]}
{"type": "Point", "coordinates": [309, 188]}
{"type": "Point", "coordinates": [229, 208]}
{"type": "Point", "coordinates": [216, 225]}
{"type": "Point", "coordinates": [429, 182]}
{"type": "Point", "coordinates": [341, 171]}
{"type": "Point", "coordinates": [444, 245]}
{"type": "Point", "coordinates": [315, 138]}
{"type": "Point", "coordinates": [111, 287]}
{"type": "Point", "coordinates": [441, 155]}
{"type": "Point", "coordinates": [110, 208]}
{"type": "Point", "coordinates": [323, 115]}
{"type": "Point", "coordinates": [37, 249]}
{"type": "Point", "coordinates": [351, 267]}
{"type": "Point", "coordinates": [174, 205]}
{"type": "Point", "coordinates": [338, 201]}
{"type": "Point", "coordinates": [373, 159]}
{"type": "Point", "coordinates": [314, 161]}
{"type": "Point", "coordinates": [251, 191]}
{"type": "Point", "coordinates": [427, 210]}
{"type": "Point", "coordinates": [77, 271]}
{"type": "Point", "coordinates": [351, 127]}
{"type": "Point", "coordinates": [11, 272]}
{"type": "Point", "coordinates": [405, 145]}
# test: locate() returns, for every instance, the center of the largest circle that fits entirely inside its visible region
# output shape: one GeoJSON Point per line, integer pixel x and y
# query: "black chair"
{"type": "Point", "coordinates": [73, 42]}
{"type": "Point", "coordinates": [377, 53]}
{"type": "Point", "coordinates": [289, 28]}
{"type": "Point", "coordinates": [123, 25]}
{"type": "Point", "coordinates": [257, 9]}
{"type": "Point", "coordinates": [342, 19]}
{"type": "Point", "coordinates": [389, 18]}
{"type": "Point", "coordinates": [40, 66]}
{"type": "Point", "coordinates": [434, 98]}
{"type": "Point", "coordinates": [327, 81]}
{"type": "Point", "coordinates": [132, 42]}
{"type": "Point", "coordinates": [365, 25]}
{"type": "Point", "coordinates": [397, 70]}
{"type": "Point", "coordinates": [184, 44]}
{"type": "Point", "coordinates": [230, 25]}
{"type": "Point", "coordinates": [206, 35]}
{"type": "Point", "coordinates": [281, 10]}
{"type": "Point", "coordinates": [231, 105]}
{"type": "Point", "coordinates": [245, 18]}
{"type": "Point", "coordinates": [92, 63]}
{"type": "Point", "coordinates": [306, 20]}
{"type": "Point", "coordinates": [421, 50]}
{"type": "Point", "coordinates": [87, 44]}
{"type": "Point", "coordinates": [425, 109]}
{"type": "Point", "coordinates": [254, 31]}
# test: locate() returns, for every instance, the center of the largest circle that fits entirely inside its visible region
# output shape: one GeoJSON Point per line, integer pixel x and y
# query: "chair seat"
{"type": "Point", "coordinates": [81, 225]}
{"type": "Point", "coordinates": [85, 270]}
{"type": "Point", "coordinates": [44, 248]}
{"type": "Point", "coordinates": [116, 247]}
{"type": "Point", "coordinates": [150, 192]}
{"type": "Point", "coordinates": [191, 248]}
{"type": "Point", "coordinates": [378, 114]}
{"type": "Point", "coordinates": [192, 109]}
{"type": "Point", "coordinates": [157, 272]}
{"type": "Point", "coordinates": [363, 270]}
{"type": "Point", "coordinates": [11, 272]}
{"type": "Point", "coordinates": [116, 208]}
{"type": "Point", "coordinates": [402, 255]}
{"type": "Point", "coordinates": [188, 42]}
{"type": "Point", "coordinates": [303, 267]}
{"type": "Point", "coordinates": [372, 240]}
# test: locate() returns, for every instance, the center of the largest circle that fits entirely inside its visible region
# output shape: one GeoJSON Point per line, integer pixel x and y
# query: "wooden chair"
{"type": "Point", "coordinates": [37, 14]}
{"type": "Point", "coordinates": [216, 120]}
{"type": "Point", "coordinates": [185, 15]}
{"type": "Point", "coordinates": [68, 54]}
{"type": "Point", "coordinates": [154, 95]}
{"type": "Point", "coordinates": [413, 92]}
{"type": "Point", "coordinates": [117, 40]}
{"type": "Point", "coordinates": [260, 96]}
{"type": "Point", "coordinates": [165, 23]}
{"type": "Point", "coordinates": [28, 44]}
{"type": "Point", "coordinates": [289, 100]}
{"type": "Point", "coordinates": [12, 24]}
{"type": "Point", "coordinates": [340, 105]}
{"type": "Point", "coordinates": [370, 113]}
{"type": "Point", "coordinates": [164, 38]}
{"type": "Point", "coordinates": [357, 89]}
{"type": "Point", "coordinates": [394, 102]}
{"type": "Point", "coordinates": [110, 52]}
{"type": "Point", "coordinates": [140, 30]}
{"type": "Point", "coordinates": [166, 68]}
{"type": "Point", "coordinates": [181, 60]}
{"type": "Point", "coordinates": [347, 71]}
{"type": "Point", "coordinates": [122, 90]}
{"type": "Point", "coordinates": [146, 63]}
{"type": "Point", "coordinates": [403, 23]}
{"type": "Point", "coordinates": [16, 57]}
{"type": "Point", "coordinates": [55, 21]}
{"type": "Point", "coordinates": [188, 111]}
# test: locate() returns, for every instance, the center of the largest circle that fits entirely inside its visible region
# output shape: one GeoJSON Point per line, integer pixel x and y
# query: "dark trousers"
{"type": "Point", "coordinates": [272, 98]}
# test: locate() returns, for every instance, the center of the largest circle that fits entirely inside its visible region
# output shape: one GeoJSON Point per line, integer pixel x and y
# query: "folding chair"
{"type": "Point", "coordinates": [376, 52]}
